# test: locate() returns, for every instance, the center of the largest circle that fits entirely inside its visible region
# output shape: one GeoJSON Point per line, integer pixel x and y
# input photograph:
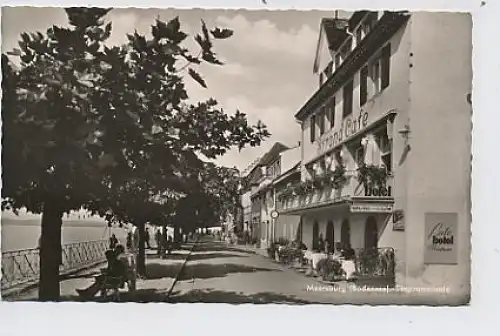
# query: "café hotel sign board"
{"type": "Point", "coordinates": [441, 238]}
{"type": "Point", "coordinates": [349, 127]}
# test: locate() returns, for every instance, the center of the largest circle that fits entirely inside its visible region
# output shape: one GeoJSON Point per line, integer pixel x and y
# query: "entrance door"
{"type": "Point", "coordinates": [345, 233]}
{"type": "Point", "coordinates": [330, 236]}
{"type": "Point", "coordinates": [371, 233]}
{"type": "Point", "coordinates": [315, 235]}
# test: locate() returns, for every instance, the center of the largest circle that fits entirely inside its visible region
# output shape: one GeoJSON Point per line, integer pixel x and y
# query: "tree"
{"type": "Point", "coordinates": [84, 123]}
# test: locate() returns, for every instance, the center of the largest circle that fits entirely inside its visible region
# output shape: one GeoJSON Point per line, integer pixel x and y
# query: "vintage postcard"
{"type": "Point", "coordinates": [236, 156]}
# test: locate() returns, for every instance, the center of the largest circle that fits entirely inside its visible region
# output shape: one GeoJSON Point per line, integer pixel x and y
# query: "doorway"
{"type": "Point", "coordinates": [330, 235]}
{"type": "Point", "coordinates": [371, 233]}
{"type": "Point", "coordinates": [345, 234]}
{"type": "Point", "coordinates": [315, 235]}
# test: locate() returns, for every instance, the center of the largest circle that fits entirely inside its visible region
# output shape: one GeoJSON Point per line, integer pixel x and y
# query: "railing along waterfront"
{"type": "Point", "coordinates": [23, 266]}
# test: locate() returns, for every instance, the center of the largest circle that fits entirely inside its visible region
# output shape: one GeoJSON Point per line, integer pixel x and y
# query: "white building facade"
{"type": "Point", "coordinates": [385, 150]}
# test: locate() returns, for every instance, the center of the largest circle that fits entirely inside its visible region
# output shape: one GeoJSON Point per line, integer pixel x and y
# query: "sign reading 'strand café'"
{"type": "Point", "coordinates": [441, 238]}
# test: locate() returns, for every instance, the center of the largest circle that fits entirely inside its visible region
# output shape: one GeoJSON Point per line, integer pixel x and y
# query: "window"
{"type": "Point", "coordinates": [347, 101]}
{"type": "Point", "coordinates": [313, 128]}
{"type": "Point", "coordinates": [359, 36]}
{"type": "Point", "coordinates": [363, 86]}
{"type": "Point", "coordinates": [375, 76]}
{"type": "Point", "coordinates": [385, 147]}
{"type": "Point", "coordinates": [321, 120]}
{"type": "Point", "coordinates": [331, 112]}
{"type": "Point", "coordinates": [380, 70]}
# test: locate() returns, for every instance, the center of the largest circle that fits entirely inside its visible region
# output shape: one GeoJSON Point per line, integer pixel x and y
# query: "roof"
{"type": "Point", "coordinates": [335, 31]}
{"type": "Point", "coordinates": [295, 169]}
{"type": "Point", "coordinates": [269, 157]}
{"type": "Point", "coordinates": [356, 18]}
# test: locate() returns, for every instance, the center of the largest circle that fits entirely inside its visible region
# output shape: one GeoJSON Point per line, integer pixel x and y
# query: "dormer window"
{"type": "Point", "coordinates": [328, 70]}
{"type": "Point", "coordinates": [337, 60]}
{"type": "Point", "coordinates": [346, 49]}
{"type": "Point", "coordinates": [359, 36]}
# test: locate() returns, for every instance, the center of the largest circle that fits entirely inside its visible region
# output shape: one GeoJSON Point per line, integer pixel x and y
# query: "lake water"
{"type": "Point", "coordinates": [19, 234]}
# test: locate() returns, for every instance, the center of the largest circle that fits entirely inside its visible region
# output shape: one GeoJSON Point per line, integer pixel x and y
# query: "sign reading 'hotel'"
{"type": "Point", "coordinates": [350, 126]}
{"type": "Point", "coordinates": [441, 238]}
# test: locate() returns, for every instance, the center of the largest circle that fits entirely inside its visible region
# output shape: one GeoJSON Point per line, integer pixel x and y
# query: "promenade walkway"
{"type": "Point", "coordinates": [160, 277]}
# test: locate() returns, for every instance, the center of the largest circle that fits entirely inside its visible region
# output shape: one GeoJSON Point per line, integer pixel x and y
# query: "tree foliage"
{"type": "Point", "coordinates": [109, 128]}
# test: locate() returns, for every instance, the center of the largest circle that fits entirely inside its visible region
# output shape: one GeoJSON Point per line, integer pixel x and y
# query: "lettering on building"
{"type": "Point", "coordinates": [440, 238]}
{"type": "Point", "coordinates": [350, 125]}
{"type": "Point", "coordinates": [371, 208]}
{"type": "Point", "coordinates": [371, 191]}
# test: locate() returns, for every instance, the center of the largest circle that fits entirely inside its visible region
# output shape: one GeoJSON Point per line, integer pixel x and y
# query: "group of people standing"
{"type": "Point", "coordinates": [164, 243]}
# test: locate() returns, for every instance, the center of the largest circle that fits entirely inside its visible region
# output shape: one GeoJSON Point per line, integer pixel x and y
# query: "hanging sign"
{"type": "Point", "coordinates": [274, 214]}
{"type": "Point", "coordinates": [398, 220]}
{"type": "Point", "coordinates": [441, 238]}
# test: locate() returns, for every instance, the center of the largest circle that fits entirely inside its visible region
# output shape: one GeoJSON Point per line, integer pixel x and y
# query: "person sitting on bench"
{"type": "Point", "coordinates": [114, 274]}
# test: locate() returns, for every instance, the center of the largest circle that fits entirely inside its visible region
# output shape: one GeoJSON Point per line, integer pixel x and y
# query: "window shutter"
{"type": "Point", "coordinates": [386, 66]}
{"type": "Point", "coordinates": [313, 128]}
{"type": "Point", "coordinates": [363, 86]}
{"type": "Point", "coordinates": [332, 113]}
{"type": "Point", "coordinates": [348, 88]}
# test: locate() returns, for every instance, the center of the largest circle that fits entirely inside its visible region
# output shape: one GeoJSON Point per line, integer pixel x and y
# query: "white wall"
{"type": "Point", "coordinates": [440, 123]}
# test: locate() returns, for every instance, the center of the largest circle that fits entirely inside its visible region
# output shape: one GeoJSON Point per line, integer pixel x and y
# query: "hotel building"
{"type": "Point", "coordinates": [392, 109]}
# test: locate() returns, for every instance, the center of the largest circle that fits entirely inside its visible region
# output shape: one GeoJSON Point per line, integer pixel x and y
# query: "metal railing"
{"type": "Point", "coordinates": [23, 266]}
{"type": "Point", "coordinates": [375, 262]}
{"type": "Point", "coordinates": [327, 196]}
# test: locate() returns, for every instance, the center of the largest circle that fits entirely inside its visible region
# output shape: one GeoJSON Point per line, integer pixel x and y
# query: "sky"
{"type": "Point", "coordinates": [268, 70]}
{"type": "Point", "coordinates": [268, 61]}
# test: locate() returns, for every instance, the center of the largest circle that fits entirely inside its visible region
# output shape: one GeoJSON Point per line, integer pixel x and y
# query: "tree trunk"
{"type": "Point", "coordinates": [50, 252]}
{"type": "Point", "coordinates": [141, 255]}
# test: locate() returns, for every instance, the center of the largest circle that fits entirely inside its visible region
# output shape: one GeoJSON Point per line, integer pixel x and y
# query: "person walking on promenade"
{"type": "Point", "coordinates": [113, 241]}
{"type": "Point", "coordinates": [129, 241]}
{"type": "Point", "coordinates": [158, 241]}
{"type": "Point", "coordinates": [146, 238]}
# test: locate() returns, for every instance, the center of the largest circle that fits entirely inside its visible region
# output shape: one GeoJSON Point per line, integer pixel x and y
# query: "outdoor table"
{"type": "Point", "coordinates": [314, 258]}
{"type": "Point", "coordinates": [348, 266]}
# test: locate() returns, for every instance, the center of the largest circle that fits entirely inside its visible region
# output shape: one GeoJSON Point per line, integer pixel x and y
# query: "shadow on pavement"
{"type": "Point", "coordinates": [204, 296]}
{"type": "Point", "coordinates": [172, 256]}
{"type": "Point", "coordinates": [207, 271]}
{"type": "Point", "coordinates": [208, 256]}
{"type": "Point", "coordinates": [159, 271]}
{"type": "Point", "coordinates": [218, 296]}
{"type": "Point", "coordinates": [216, 247]}
{"type": "Point", "coordinates": [140, 295]}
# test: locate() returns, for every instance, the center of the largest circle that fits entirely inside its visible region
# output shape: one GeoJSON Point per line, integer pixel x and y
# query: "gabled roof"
{"type": "Point", "coordinates": [335, 31]}
{"type": "Point", "coordinates": [269, 157]}
{"type": "Point", "coordinates": [332, 32]}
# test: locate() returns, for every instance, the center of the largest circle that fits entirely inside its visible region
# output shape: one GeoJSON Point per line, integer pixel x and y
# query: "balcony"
{"type": "Point", "coordinates": [352, 195]}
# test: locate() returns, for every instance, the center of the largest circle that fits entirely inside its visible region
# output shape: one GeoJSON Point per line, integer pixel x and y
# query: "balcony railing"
{"type": "Point", "coordinates": [327, 195]}
{"type": "Point", "coordinates": [23, 266]}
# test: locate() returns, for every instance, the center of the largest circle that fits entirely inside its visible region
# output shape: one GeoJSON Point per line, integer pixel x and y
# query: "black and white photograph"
{"type": "Point", "coordinates": [236, 156]}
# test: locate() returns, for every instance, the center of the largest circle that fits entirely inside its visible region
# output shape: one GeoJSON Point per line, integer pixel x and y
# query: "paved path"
{"type": "Point", "coordinates": [221, 273]}
{"type": "Point", "coordinates": [161, 274]}
{"type": "Point", "coordinates": [217, 272]}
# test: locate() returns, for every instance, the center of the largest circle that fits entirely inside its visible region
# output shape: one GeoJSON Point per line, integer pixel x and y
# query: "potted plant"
{"type": "Point", "coordinates": [330, 269]}
{"type": "Point", "coordinates": [372, 175]}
